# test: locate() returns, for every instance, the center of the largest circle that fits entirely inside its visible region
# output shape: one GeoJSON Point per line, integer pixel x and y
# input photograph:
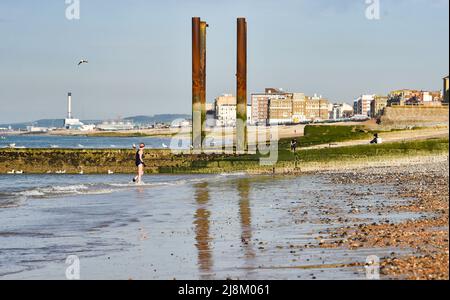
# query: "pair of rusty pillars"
{"type": "Point", "coordinates": [199, 84]}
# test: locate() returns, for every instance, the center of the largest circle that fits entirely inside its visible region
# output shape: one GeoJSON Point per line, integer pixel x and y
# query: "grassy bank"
{"type": "Point", "coordinates": [163, 161]}
{"type": "Point", "coordinates": [317, 135]}
{"type": "Point", "coordinates": [410, 148]}
{"type": "Point", "coordinates": [329, 134]}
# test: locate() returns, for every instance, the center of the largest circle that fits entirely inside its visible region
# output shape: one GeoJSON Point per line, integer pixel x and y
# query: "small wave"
{"type": "Point", "coordinates": [102, 188]}
{"type": "Point", "coordinates": [53, 190]}
{"type": "Point", "coordinates": [232, 174]}
{"type": "Point", "coordinates": [32, 193]}
{"type": "Point", "coordinates": [132, 184]}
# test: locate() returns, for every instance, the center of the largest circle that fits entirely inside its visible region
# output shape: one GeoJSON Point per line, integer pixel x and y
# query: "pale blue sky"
{"type": "Point", "coordinates": [140, 52]}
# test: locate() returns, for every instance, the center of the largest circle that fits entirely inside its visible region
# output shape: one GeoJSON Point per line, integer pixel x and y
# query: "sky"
{"type": "Point", "coordinates": [139, 52]}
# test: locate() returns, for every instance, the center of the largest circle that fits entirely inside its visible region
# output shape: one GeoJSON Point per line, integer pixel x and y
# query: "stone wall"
{"type": "Point", "coordinates": [401, 116]}
{"type": "Point", "coordinates": [72, 161]}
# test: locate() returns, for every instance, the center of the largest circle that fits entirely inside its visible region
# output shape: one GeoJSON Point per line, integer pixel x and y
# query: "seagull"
{"type": "Point", "coordinates": [165, 146]}
{"type": "Point", "coordinates": [83, 61]}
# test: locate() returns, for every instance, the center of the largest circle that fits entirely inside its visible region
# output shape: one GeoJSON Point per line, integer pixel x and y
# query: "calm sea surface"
{"type": "Point", "coordinates": [80, 142]}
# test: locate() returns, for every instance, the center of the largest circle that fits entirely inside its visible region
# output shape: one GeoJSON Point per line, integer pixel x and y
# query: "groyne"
{"type": "Point", "coordinates": [104, 161]}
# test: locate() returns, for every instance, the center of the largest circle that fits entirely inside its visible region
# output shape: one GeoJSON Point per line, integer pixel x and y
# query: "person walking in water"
{"type": "Point", "coordinates": [139, 158]}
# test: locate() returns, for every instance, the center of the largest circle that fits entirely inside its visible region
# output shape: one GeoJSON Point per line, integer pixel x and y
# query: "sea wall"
{"type": "Point", "coordinates": [73, 161]}
{"type": "Point", "coordinates": [401, 116]}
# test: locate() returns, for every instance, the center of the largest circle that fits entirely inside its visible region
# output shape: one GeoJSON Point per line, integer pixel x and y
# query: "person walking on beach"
{"type": "Point", "coordinates": [139, 159]}
{"type": "Point", "coordinates": [293, 145]}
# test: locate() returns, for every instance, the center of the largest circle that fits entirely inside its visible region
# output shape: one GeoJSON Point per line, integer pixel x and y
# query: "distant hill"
{"type": "Point", "coordinates": [164, 118]}
{"type": "Point", "coordinates": [59, 123]}
{"type": "Point", "coordinates": [38, 123]}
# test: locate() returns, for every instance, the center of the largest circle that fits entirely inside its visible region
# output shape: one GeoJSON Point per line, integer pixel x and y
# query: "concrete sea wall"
{"type": "Point", "coordinates": [73, 161]}
{"type": "Point", "coordinates": [400, 116]}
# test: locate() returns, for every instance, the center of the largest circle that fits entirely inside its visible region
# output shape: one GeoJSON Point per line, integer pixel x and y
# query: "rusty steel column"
{"type": "Point", "coordinates": [196, 86]}
{"type": "Point", "coordinates": [203, 26]}
{"type": "Point", "coordinates": [241, 83]}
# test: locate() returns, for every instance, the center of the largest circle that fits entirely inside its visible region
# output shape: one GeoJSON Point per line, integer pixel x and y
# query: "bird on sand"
{"type": "Point", "coordinates": [83, 61]}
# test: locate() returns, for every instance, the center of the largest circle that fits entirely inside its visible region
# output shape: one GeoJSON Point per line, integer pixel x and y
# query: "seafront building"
{"type": "Point", "coordinates": [262, 110]}
{"type": "Point", "coordinates": [317, 108]}
{"type": "Point", "coordinates": [445, 92]}
{"type": "Point", "coordinates": [415, 97]}
{"type": "Point", "coordinates": [341, 111]}
{"type": "Point", "coordinates": [362, 105]}
{"type": "Point", "coordinates": [224, 111]}
{"type": "Point", "coordinates": [280, 111]}
{"type": "Point", "coordinates": [275, 106]}
{"type": "Point", "coordinates": [378, 105]}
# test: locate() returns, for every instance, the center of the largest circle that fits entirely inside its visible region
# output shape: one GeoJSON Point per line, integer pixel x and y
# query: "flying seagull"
{"type": "Point", "coordinates": [83, 61]}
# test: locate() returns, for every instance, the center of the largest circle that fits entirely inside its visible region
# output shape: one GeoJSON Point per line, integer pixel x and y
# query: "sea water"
{"type": "Point", "coordinates": [184, 226]}
{"type": "Point", "coordinates": [80, 142]}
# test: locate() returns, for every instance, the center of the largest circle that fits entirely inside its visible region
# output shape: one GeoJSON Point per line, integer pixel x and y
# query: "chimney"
{"type": "Point", "coordinates": [69, 106]}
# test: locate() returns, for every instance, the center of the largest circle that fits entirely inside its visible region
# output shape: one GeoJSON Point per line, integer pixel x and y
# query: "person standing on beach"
{"type": "Point", "coordinates": [139, 159]}
{"type": "Point", "coordinates": [293, 145]}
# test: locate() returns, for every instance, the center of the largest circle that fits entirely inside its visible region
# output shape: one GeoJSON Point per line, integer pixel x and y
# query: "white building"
{"type": "Point", "coordinates": [115, 126]}
{"type": "Point", "coordinates": [427, 97]}
{"type": "Point", "coordinates": [226, 115]}
{"type": "Point", "coordinates": [70, 122]}
{"type": "Point", "coordinates": [225, 110]}
{"type": "Point", "coordinates": [34, 129]}
{"type": "Point", "coordinates": [341, 111]}
{"type": "Point", "coordinates": [362, 105]}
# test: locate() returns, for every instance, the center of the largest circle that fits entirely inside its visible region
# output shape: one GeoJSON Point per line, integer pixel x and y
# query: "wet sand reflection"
{"type": "Point", "coordinates": [202, 228]}
{"type": "Point", "coordinates": [245, 217]}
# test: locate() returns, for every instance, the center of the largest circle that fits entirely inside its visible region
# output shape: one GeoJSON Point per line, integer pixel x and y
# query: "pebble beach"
{"type": "Point", "coordinates": [426, 188]}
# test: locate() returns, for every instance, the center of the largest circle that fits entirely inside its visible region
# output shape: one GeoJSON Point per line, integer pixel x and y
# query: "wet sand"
{"type": "Point", "coordinates": [315, 226]}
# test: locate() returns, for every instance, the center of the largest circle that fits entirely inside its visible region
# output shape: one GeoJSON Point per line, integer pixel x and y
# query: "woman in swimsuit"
{"type": "Point", "coordinates": [139, 163]}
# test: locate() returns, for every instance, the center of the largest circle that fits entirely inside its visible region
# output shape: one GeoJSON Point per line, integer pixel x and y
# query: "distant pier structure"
{"type": "Point", "coordinates": [199, 29]}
